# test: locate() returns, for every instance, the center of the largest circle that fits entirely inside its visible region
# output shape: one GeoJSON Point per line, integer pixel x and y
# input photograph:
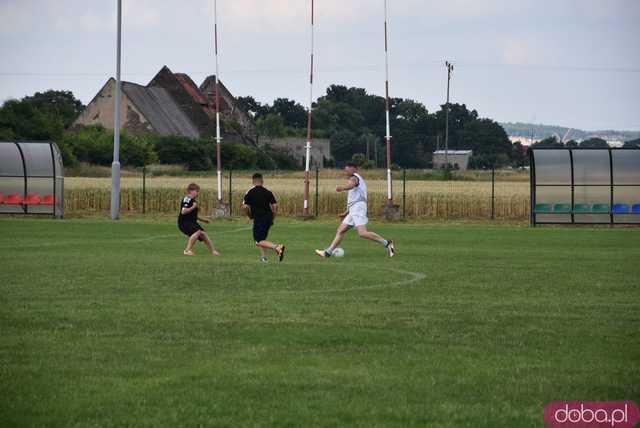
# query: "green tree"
{"type": "Point", "coordinates": [271, 126]}
{"type": "Point", "coordinates": [594, 142]}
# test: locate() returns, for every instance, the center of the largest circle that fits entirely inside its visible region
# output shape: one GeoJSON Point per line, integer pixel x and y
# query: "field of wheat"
{"type": "Point", "coordinates": [421, 198]}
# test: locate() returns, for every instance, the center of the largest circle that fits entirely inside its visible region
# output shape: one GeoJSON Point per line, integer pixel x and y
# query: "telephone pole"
{"type": "Point", "coordinates": [446, 132]}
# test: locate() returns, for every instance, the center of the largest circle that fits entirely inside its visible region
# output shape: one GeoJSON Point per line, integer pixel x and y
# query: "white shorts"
{"type": "Point", "coordinates": [357, 215]}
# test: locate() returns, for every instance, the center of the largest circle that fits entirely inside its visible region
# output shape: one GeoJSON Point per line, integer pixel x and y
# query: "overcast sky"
{"type": "Point", "coordinates": [574, 63]}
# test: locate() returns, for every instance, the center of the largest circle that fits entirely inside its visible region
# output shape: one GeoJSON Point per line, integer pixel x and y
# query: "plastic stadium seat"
{"type": "Point", "coordinates": [543, 208]}
{"type": "Point", "coordinates": [635, 209]}
{"type": "Point", "coordinates": [600, 208]}
{"type": "Point", "coordinates": [620, 209]}
{"type": "Point", "coordinates": [1, 198]}
{"type": "Point", "coordinates": [581, 208]}
{"type": "Point", "coordinates": [562, 208]}
{"type": "Point", "coordinates": [32, 199]}
{"type": "Point", "coordinates": [13, 199]}
{"type": "Point", "coordinates": [47, 200]}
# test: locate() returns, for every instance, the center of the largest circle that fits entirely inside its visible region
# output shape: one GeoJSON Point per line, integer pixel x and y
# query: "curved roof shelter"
{"type": "Point", "coordinates": [31, 178]}
{"type": "Point", "coordinates": [585, 186]}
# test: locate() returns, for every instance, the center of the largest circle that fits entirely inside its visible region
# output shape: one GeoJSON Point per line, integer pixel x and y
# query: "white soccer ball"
{"type": "Point", "coordinates": [338, 252]}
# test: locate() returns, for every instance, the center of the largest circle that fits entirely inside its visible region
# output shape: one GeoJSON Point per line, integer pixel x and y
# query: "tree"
{"type": "Point", "coordinates": [43, 116]}
{"type": "Point", "coordinates": [594, 142]}
{"type": "Point", "coordinates": [549, 142]}
{"type": "Point", "coordinates": [293, 114]}
{"type": "Point", "coordinates": [272, 126]}
{"type": "Point", "coordinates": [632, 143]}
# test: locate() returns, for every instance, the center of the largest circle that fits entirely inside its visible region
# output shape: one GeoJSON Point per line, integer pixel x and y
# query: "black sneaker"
{"type": "Point", "coordinates": [391, 248]}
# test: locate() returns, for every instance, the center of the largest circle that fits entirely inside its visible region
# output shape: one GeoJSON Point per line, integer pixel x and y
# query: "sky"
{"type": "Point", "coordinates": [573, 63]}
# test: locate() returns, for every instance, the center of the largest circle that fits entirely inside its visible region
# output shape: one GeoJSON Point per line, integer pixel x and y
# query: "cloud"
{"type": "Point", "coordinates": [516, 52]}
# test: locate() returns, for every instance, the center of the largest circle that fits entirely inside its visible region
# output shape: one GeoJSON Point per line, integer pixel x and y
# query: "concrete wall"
{"type": "Point", "coordinates": [100, 111]}
{"type": "Point", "coordinates": [462, 161]}
{"type": "Point", "coordinates": [320, 148]}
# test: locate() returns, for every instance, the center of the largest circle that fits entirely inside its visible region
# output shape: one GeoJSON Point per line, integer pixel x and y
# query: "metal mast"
{"type": "Point", "coordinates": [309, 121]}
{"type": "Point", "coordinates": [115, 166]}
{"type": "Point", "coordinates": [218, 137]}
{"type": "Point", "coordinates": [446, 132]}
{"type": "Point", "coordinates": [386, 105]}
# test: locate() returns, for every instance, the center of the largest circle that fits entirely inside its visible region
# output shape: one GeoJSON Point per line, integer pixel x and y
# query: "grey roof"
{"type": "Point", "coordinates": [160, 110]}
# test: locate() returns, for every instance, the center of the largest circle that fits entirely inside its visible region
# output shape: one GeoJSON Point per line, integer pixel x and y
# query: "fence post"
{"type": "Point", "coordinates": [317, 193]}
{"type": "Point", "coordinates": [230, 192]}
{"type": "Point", "coordinates": [144, 189]}
{"type": "Point", "coordinates": [404, 192]}
{"type": "Point", "coordinates": [493, 192]}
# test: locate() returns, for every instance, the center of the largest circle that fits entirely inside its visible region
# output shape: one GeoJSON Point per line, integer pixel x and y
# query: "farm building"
{"type": "Point", "coordinates": [170, 104]}
{"type": "Point", "coordinates": [458, 159]}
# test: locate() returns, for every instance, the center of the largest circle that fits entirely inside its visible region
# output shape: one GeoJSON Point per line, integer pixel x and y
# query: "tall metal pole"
{"type": "Point", "coordinates": [386, 104]}
{"type": "Point", "coordinates": [305, 211]}
{"type": "Point", "coordinates": [217, 77]}
{"type": "Point", "coordinates": [446, 132]}
{"type": "Point", "coordinates": [115, 166]}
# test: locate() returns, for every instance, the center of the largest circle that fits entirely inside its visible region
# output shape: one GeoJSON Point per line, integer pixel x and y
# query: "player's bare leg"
{"type": "Point", "coordinates": [190, 243]}
{"type": "Point", "coordinates": [267, 245]}
{"type": "Point", "coordinates": [340, 232]}
{"type": "Point", "coordinates": [209, 244]}
{"type": "Point", "coordinates": [372, 236]}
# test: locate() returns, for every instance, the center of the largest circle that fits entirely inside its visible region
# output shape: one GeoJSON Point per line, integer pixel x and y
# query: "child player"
{"type": "Point", "coordinates": [262, 207]}
{"type": "Point", "coordinates": [188, 222]}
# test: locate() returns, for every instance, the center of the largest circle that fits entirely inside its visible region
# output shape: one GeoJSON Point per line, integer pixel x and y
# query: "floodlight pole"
{"type": "Point", "coordinates": [115, 166]}
{"type": "Point", "coordinates": [446, 132]}
{"type": "Point", "coordinates": [387, 105]}
{"type": "Point", "coordinates": [305, 211]}
{"type": "Point", "coordinates": [217, 83]}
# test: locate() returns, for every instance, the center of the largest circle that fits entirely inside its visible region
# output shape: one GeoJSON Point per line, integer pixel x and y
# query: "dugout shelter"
{"type": "Point", "coordinates": [585, 185]}
{"type": "Point", "coordinates": [31, 178]}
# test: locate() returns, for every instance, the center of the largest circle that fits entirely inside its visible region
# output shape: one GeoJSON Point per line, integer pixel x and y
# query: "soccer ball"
{"type": "Point", "coordinates": [338, 252]}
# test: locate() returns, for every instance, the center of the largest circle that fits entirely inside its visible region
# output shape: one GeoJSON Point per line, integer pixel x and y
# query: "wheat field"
{"type": "Point", "coordinates": [423, 199]}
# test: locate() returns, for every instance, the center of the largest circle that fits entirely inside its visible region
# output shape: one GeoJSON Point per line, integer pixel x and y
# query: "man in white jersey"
{"type": "Point", "coordinates": [356, 214]}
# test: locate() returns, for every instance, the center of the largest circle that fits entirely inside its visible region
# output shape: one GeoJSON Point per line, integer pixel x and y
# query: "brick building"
{"type": "Point", "coordinates": [170, 104]}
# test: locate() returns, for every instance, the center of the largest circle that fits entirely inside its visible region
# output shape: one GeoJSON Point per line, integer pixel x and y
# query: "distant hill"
{"type": "Point", "coordinates": [540, 132]}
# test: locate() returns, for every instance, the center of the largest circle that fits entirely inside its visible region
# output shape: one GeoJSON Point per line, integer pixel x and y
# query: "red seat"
{"type": "Point", "coordinates": [14, 199]}
{"type": "Point", "coordinates": [32, 199]}
{"type": "Point", "coordinates": [1, 198]}
{"type": "Point", "coordinates": [47, 200]}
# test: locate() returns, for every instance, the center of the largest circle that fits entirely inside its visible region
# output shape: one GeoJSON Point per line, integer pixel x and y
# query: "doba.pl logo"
{"type": "Point", "coordinates": [591, 414]}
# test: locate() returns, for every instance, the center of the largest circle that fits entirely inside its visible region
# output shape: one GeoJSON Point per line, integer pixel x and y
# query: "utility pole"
{"type": "Point", "coordinates": [446, 132]}
{"type": "Point", "coordinates": [115, 166]}
{"type": "Point", "coordinates": [217, 101]}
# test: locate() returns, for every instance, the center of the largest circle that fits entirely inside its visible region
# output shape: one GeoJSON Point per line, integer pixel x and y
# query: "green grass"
{"type": "Point", "coordinates": [107, 324]}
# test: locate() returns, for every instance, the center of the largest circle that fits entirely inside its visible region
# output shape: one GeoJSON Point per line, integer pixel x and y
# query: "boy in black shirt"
{"type": "Point", "coordinates": [188, 222]}
{"type": "Point", "coordinates": [262, 207]}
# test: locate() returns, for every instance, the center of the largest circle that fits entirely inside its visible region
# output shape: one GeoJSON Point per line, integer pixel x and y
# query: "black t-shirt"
{"type": "Point", "coordinates": [260, 200]}
{"type": "Point", "coordinates": [192, 217]}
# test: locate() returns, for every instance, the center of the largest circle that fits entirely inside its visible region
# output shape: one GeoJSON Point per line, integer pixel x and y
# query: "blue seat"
{"type": "Point", "coordinates": [620, 209]}
{"type": "Point", "coordinates": [635, 209]}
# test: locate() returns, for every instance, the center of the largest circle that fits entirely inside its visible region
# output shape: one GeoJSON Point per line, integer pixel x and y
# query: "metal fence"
{"type": "Point", "coordinates": [490, 196]}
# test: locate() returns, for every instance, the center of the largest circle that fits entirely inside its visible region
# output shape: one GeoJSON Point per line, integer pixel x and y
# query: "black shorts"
{"type": "Point", "coordinates": [190, 228]}
{"type": "Point", "coordinates": [261, 229]}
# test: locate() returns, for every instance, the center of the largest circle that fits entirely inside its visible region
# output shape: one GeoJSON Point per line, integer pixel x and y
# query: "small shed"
{"type": "Point", "coordinates": [458, 159]}
{"type": "Point", "coordinates": [31, 178]}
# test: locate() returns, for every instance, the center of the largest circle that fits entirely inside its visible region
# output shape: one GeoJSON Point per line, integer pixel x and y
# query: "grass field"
{"type": "Point", "coordinates": [107, 324]}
